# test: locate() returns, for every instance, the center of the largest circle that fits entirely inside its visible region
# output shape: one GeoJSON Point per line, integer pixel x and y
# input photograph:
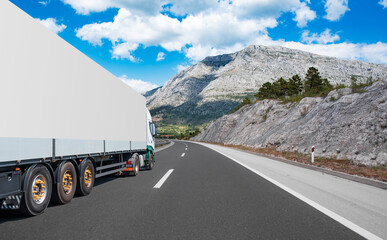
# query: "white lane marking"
{"type": "Point", "coordinates": [182, 155]}
{"type": "Point", "coordinates": [185, 145]}
{"type": "Point", "coordinates": [165, 147]}
{"type": "Point", "coordinates": [359, 230]}
{"type": "Point", "coordinates": [163, 179]}
{"type": "Point", "coordinates": [186, 149]}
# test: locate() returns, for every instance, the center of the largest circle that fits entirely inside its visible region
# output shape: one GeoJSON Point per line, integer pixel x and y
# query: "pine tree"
{"type": "Point", "coordinates": [280, 88]}
{"type": "Point", "coordinates": [313, 81]}
{"type": "Point", "coordinates": [246, 101]}
{"type": "Point", "coordinates": [266, 91]}
{"type": "Point", "coordinates": [295, 85]}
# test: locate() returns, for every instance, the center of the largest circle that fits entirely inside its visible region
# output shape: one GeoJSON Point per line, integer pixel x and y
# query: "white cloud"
{"type": "Point", "coordinates": [213, 31]}
{"type": "Point", "coordinates": [186, 7]}
{"type": "Point", "coordinates": [215, 27]}
{"type": "Point", "coordinates": [124, 51]}
{"type": "Point", "coordinates": [322, 38]}
{"type": "Point", "coordinates": [85, 7]}
{"type": "Point", "coordinates": [336, 9]}
{"type": "Point", "coordinates": [160, 56]}
{"type": "Point", "coordinates": [51, 23]}
{"type": "Point", "coordinates": [44, 3]}
{"type": "Point", "coordinates": [261, 8]}
{"type": "Point", "coordinates": [138, 85]}
{"type": "Point", "coordinates": [303, 15]}
{"type": "Point", "coordinates": [376, 52]}
{"type": "Point", "coordinates": [383, 3]}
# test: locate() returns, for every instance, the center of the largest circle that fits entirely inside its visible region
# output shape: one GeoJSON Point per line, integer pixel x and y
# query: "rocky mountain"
{"type": "Point", "coordinates": [151, 92]}
{"type": "Point", "coordinates": [214, 86]}
{"type": "Point", "coordinates": [344, 125]}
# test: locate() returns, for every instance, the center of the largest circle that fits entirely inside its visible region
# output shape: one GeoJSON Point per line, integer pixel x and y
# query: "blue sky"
{"type": "Point", "coordinates": [147, 42]}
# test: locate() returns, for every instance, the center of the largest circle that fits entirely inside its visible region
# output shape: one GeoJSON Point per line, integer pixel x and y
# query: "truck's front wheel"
{"type": "Point", "coordinates": [151, 162]}
{"type": "Point", "coordinates": [136, 164]}
{"type": "Point", "coordinates": [38, 191]}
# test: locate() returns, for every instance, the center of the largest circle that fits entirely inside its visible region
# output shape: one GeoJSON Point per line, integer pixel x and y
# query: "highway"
{"type": "Point", "coordinates": [193, 192]}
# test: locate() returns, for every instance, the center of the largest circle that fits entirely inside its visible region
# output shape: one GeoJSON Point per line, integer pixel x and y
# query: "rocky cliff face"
{"type": "Point", "coordinates": [342, 125]}
{"type": "Point", "coordinates": [217, 84]}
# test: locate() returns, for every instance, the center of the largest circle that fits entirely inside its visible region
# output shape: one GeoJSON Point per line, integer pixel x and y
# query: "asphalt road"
{"type": "Point", "coordinates": [206, 196]}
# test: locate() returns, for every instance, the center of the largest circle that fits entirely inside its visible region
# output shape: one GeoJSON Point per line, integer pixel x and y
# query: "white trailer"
{"type": "Point", "coordinates": [64, 120]}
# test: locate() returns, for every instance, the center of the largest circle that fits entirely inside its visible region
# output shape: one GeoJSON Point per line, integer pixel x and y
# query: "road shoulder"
{"type": "Point", "coordinates": [364, 205]}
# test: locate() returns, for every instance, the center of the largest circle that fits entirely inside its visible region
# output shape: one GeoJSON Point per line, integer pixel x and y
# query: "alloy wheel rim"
{"type": "Point", "coordinates": [39, 192]}
{"type": "Point", "coordinates": [88, 176]}
{"type": "Point", "coordinates": [67, 182]}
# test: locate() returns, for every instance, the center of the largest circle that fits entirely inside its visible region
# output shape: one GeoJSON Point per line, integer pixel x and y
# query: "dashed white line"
{"type": "Point", "coordinates": [182, 155]}
{"type": "Point", "coordinates": [163, 179]}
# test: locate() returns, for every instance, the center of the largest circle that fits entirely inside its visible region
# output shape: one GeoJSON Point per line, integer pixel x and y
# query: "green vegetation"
{"type": "Point", "coordinates": [294, 89]}
{"type": "Point", "coordinates": [341, 85]}
{"type": "Point", "coordinates": [359, 87]}
{"type": "Point", "coordinates": [179, 131]}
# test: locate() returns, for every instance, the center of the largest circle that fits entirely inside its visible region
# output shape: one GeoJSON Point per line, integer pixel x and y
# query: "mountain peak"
{"type": "Point", "coordinates": [214, 86]}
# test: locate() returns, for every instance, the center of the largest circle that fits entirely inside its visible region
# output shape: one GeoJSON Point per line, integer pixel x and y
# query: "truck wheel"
{"type": "Point", "coordinates": [64, 189]}
{"type": "Point", "coordinates": [136, 166]}
{"type": "Point", "coordinates": [151, 163]}
{"type": "Point", "coordinates": [38, 193]}
{"type": "Point", "coordinates": [86, 178]}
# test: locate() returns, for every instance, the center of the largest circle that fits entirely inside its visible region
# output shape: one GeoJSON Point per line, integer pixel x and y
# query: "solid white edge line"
{"type": "Point", "coordinates": [182, 155]}
{"type": "Point", "coordinates": [359, 230]}
{"type": "Point", "coordinates": [163, 179]}
{"type": "Point", "coordinates": [165, 146]}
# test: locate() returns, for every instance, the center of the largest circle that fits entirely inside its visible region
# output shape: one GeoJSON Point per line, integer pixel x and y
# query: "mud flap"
{"type": "Point", "coordinates": [11, 202]}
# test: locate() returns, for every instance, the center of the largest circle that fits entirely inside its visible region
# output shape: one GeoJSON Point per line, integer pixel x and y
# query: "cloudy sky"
{"type": "Point", "coordinates": [146, 42]}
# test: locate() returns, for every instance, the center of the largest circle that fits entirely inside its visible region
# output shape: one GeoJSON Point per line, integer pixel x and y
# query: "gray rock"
{"type": "Point", "coordinates": [344, 91]}
{"type": "Point", "coordinates": [382, 158]}
{"type": "Point", "coordinates": [349, 128]}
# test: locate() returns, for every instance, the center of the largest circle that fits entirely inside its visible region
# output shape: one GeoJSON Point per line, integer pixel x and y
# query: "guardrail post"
{"type": "Point", "coordinates": [312, 154]}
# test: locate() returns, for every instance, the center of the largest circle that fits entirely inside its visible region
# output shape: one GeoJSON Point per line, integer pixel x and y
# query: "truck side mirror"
{"type": "Point", "coordinates": [153, 129]}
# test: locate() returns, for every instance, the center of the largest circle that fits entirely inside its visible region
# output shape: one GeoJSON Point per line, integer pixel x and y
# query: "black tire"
{"type": "Point", "coordinates": [64, 189]}
{"type": "Point", "coordinates": [136, 165]}
{"type": "Point", "coordinates": [151, 163]}
{"type": "Point", "coordinates": [86, 178]}
{"type": "Point", "coordinates": [32, 203]}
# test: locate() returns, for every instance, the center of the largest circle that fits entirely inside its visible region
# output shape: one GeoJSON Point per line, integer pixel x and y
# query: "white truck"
{"type": "Point", "coordinates": [64, 120]}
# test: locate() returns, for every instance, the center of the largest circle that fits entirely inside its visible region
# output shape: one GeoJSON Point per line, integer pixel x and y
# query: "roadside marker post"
{"type": "Point", "coordinates": [312, 154]}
